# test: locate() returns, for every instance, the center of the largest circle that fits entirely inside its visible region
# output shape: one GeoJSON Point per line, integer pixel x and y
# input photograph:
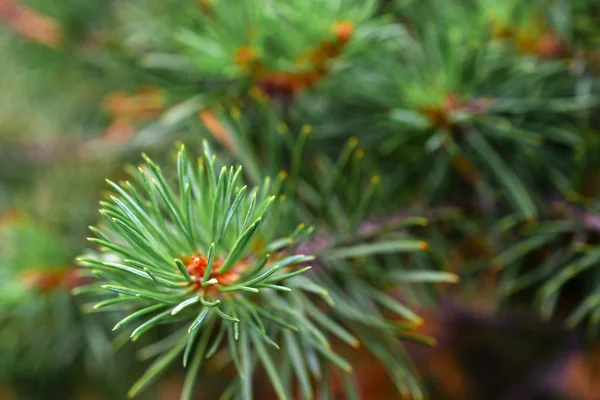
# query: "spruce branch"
{"type": "Point", "coordinates": [36, 274]}
{"type": "Point", "coordinates": [275, 49]}
{"type": "Point", "coordinates": [564, 246]}
{"type": "Point", "coordinates": [359, 265]}
{"type": "Point", "coordinates": [196, 254]}
{"type": "Point", "coordinates": [477, 109]}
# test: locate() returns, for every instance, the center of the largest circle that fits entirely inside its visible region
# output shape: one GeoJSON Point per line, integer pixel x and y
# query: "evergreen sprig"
{"type": "Point", "coordinates": [35, 275]}
{"type": "Point", "coordinates": [463, 101]}
{"type": "Point", "coordinates": [367, 269]}
{"type": "Point", "coordinates": [268, 47]}
{"type": "Point", "coordinates": [204, 255]}
{"type": "Point", "coordinates": [564, 248]}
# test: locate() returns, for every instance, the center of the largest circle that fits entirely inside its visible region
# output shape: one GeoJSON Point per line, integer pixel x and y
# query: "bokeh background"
{"type": "Point", "coordinates": [481, 116]}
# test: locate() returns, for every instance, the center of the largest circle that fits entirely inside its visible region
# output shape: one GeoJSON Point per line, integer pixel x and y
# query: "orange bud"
{"type": "Point", "coordinates": [550, 47]}
{"type": "Point", "coordinates": [343, 30]}
{"type": "Point", "coordinates": [29, 23]}
{"type": "Point", "coordinates": [244, 56]}
{"type": "Point", "coordinates": [45, 280]}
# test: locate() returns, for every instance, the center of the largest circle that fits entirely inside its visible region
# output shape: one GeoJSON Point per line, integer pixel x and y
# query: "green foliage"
{"type": "Point", "coordinates": [564, 250]}
{"type": "Point", "coordinates": [34, 292]}
{"type": "Point", "coordinates": [391, 145]}
{"type": "Point", "coordinates": [205, 254]}
{"type": "Point", "coordinates": [279, 35]}
{"type": "Point", "coordinates": [467, 104]}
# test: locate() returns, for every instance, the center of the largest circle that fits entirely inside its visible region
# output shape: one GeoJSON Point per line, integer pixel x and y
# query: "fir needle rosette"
{"type": "Point", "coordinates": [204, 258]}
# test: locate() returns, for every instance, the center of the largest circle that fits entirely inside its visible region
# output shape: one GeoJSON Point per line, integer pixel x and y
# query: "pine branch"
{"type": "Point", "coordinates": [195, 254]}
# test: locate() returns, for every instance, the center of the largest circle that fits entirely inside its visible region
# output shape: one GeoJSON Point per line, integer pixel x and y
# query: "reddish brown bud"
{"type": "Point", "coordinates": [44, 280]}
{"type": "Point", "coordinates": [343, 30]}
{"type": "Point", "coordinates": [244, 56]}
{"type": "Point", "coordinates": [550, 47]}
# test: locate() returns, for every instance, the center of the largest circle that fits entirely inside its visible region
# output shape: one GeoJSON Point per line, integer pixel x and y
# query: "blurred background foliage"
{"type": "Point", "coordinates": [478, 116]}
